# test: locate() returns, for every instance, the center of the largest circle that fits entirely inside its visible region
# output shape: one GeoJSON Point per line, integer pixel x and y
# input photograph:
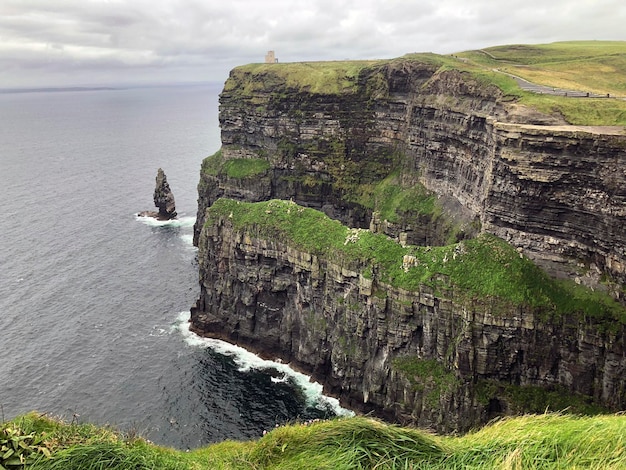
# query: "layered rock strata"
{"type": "Point", "coordinates": [556, 191]}
{"type": "Point", "coordinates": [426, 156]}
{"type": "Point", "coordinates": [353, 332]}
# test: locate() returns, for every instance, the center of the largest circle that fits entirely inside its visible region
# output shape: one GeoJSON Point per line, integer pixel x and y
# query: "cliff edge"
{"type": "Point", "coordinates": [434, 160]}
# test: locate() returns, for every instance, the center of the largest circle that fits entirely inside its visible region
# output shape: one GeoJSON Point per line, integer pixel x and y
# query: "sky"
{"type": "Point", "coordinates": [51, 43]}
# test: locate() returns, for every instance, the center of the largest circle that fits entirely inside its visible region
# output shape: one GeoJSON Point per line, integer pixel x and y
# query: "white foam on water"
{"type": "Point", "coordinates": [181, 222]}
{"type": "Point", "coordinates": [188, 240]}
{"type": "Point", "coordinates": [246, 361]}
{"type": "Point", "coordinates": [186, 221]}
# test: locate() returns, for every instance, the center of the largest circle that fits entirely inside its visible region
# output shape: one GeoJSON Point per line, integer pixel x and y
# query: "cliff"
{"type": "Point", "coordinates": [441, 337]}
{"type": "Point", "coordinates": [434, 157]}
{"type": "Point", "coordinates": [556, 191]}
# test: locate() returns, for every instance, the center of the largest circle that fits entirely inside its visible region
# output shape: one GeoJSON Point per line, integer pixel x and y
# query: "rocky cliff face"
{"type": "Point", "coordinates": [427, 157]}
{"type": "Point", "coordinates": [558, 192]}
{"type": "Point", "coordinates": [431, 356]}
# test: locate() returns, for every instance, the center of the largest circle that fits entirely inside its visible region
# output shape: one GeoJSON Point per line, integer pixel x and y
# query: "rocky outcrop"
{"type": "Point", "coordinates": [163, 199]}
{"type": "Point", "coordinates": [427, 156]}
{"type": "Point", "coordinates": [430, 356]}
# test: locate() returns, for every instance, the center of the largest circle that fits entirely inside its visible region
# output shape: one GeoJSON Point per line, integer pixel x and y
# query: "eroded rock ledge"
{"type": "Point", "coordinates": [435, 353]}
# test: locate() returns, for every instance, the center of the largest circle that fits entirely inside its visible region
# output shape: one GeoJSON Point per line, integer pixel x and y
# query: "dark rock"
{"type": "Point", "coordinates": [163, 200]}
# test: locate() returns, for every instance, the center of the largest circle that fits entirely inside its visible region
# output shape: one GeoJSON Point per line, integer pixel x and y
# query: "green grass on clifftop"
{"type": "Point", "coordinates": [597, 66]}
{"type": "Point", "coordinates": [313, 77]}
{"type": "Point", "coordinates": [588, 66]}
{"type": "Point", "coordinates": [478, 269]}
{"type": "Point", "coordinates": [549, 441]}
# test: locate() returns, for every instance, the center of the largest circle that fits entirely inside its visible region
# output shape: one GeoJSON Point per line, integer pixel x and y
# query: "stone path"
{"type": "Point", "coordinates": [546, 90]}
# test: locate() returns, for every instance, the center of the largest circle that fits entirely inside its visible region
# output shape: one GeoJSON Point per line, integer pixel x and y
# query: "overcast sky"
{"type": "Point", "coordinates": [98, 42]}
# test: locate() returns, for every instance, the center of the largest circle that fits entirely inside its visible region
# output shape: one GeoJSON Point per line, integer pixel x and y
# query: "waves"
{"type": "Point", "coordinates": [247, 361]}
{"type": "Point", "coordinates": [184, 224]}
{"type": "Point", "coordinates": [186, 221]}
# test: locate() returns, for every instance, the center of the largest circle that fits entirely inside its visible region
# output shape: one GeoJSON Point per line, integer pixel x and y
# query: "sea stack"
{"type": "Point", "coordinates": [164, 198]}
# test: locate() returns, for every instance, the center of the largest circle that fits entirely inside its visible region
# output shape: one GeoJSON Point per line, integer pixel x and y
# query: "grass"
{"type": "Point", "coordinates": [427, 375]}
{"type": "Point", "coordinates": [547, 441]}
{"type": "Point", "coordinates": [240, 168]}
{"type": "Point", "coordinates": [588, 66]}
{"type": "Point", "coordinates": [329, 78]}
{"type": "Point", "coordinates": [478, 269]}
{"type": "Point", "coordinates": [390, 199]}
{"type": "Point", "coordinates": [535, 399]}
{"type": "Point", "coordinates": [595, 66]}
{"type": "Point", "coordinates": [212, 165]}
{"type": "Point", "coordinates": [237, 168]}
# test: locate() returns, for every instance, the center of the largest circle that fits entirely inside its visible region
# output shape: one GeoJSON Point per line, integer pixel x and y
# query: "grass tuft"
{"type": "Point", "coordinates": [356, 443]}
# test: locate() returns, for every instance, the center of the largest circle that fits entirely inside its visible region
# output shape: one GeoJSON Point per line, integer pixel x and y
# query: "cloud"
{"type": "Point", "coordinates": [92, 41]}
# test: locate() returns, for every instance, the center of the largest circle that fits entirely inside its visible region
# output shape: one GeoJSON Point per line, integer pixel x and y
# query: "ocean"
{"type": "Point", "coordinates": [94, 301]}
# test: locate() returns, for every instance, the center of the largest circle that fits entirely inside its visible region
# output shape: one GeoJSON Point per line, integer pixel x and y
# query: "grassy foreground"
{"type": "Point", "coordinates": [549, 441]}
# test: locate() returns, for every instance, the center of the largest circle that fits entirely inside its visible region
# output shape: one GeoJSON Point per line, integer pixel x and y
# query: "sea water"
{"type": "Point", "coordinates": [94, 301]}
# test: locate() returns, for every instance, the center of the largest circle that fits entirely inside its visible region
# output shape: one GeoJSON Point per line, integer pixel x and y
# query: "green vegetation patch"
{"type": "Point", "coordinates": [547, 441]}
{"type": "Point", "coordinates": [427, 375]}
{"type": "Point", "coordinates": [245, 167]}
{"type": "Point", "coordinates": [556, 52]}
{"type": "Point", "coordinates": [19, 448]}
{"type": "Point", "coordinates": [212, 165]}
{"type": "Point", "coordinates": [391, 200]}
{"type": "Point", "coordinates": [534, 399]}
{"type": "Point", "coordinates": [329, 78]}
{"type": "Point", "coordinates": [51, 444]}
{"type": "Point", "coordinates": [237, 168]}
{"type": "Point", "coordinates": [479, 269]}
{"type": "Point", "coordinates": [587, 66]}
{"type": "Point", "coordinates": [580, 111]}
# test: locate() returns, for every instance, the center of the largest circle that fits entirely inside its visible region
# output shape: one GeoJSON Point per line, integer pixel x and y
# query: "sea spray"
{"type": "Point", "coordinates": [187, 221]}
{"type": "Point", "coordinates": [184, 224]}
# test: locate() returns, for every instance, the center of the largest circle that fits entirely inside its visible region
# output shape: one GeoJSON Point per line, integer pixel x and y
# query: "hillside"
{"type": "Point", "coordinates": [597, 66]}
{"type": "Point", "coordinates": [445, 245]}
{"type": "Point", "coordinates": [586, 66]}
